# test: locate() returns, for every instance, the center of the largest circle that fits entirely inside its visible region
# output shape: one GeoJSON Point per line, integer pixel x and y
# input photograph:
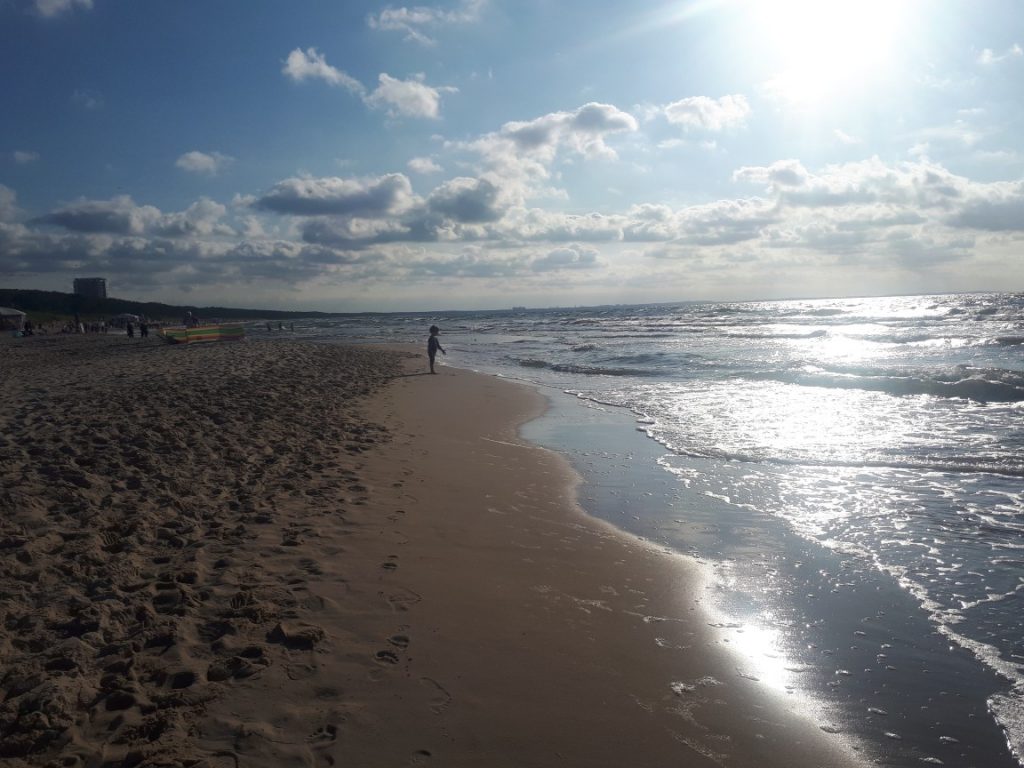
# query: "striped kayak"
{"type": "Point", "coordinates": [198, 333]}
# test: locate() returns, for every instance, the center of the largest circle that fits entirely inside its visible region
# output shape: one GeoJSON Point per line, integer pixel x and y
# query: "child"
{"type": "Point", "coordinates": [434, 344]}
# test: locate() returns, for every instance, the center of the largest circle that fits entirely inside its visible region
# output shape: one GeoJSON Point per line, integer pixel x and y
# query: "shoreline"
{"type": "Point", "coordinates": [845, 635]}
{"type": "Point", "coordinates": [402, 579]}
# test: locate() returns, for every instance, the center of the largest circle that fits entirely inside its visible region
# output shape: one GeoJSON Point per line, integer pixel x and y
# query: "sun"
{"type": "Point", "coordinates": [816, 50]}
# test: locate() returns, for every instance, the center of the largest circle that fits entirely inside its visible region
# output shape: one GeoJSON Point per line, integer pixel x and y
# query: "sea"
{"type": "Point", "coordinates": [849, 471]}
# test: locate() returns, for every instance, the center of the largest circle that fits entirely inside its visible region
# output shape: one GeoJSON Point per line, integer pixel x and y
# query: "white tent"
{"type": "Point", "coordinates": [11, 319]}
{"type": "Point", "coordinates": [123, 319]}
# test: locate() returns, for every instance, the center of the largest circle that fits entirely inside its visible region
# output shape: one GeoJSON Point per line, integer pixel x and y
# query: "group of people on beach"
{"type": "Point", "coordinates": [143, 329]}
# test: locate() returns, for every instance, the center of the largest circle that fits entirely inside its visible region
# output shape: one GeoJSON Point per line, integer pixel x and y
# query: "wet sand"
{"type": "Point", "coordinates": [273, 554]}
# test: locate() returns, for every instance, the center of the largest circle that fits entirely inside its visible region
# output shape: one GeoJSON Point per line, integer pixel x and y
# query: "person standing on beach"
{"type": "Point", "coordinates": [434, 344]}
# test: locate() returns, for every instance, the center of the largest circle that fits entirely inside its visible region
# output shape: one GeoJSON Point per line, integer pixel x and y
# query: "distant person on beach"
{"type": "Point", "coordinates": [143, 330]}
{"type": "Point", "coordinates": [130, 329]}
{"type": "Point", "coordinates": [434, 344]}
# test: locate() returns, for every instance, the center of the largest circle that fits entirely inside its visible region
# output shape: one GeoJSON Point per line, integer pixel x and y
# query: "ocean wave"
{"type": "Point", "coordinates": [983, 385]}
{"type": "Point", "coordinates": [816, 334]}
{"type": "Point", "coordinates": [1006, 341]}
{"type": "Point", "coordinates": [969, 467]}
{"type": "Point", "coordinates": [583, 370]}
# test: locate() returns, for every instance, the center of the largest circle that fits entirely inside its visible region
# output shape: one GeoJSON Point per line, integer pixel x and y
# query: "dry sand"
{"type": "Point", "coordinates": [276, 554]}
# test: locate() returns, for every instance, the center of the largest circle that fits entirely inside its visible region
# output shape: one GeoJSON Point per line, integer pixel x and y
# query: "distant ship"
{"type": "Point", "coordinates": [518, 309]}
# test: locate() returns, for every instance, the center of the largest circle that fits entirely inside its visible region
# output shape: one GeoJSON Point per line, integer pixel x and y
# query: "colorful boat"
{"type": "Point", "coordinates": [197, 333]}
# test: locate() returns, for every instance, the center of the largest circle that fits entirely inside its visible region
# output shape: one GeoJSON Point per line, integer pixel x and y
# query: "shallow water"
{"type": "Point", "coordinates": [856, 459]}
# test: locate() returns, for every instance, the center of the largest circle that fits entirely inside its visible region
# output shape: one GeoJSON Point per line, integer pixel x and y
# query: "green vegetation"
{"type": "Point", "coordinates": [53, 306]}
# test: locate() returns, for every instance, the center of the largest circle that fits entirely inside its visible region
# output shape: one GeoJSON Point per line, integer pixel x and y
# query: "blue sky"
{"type": "Point", "coordinates": [482, 153]}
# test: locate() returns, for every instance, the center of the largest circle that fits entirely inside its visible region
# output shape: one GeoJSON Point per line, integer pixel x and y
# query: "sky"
{"type": "Point", "coordinates": [464, 154]}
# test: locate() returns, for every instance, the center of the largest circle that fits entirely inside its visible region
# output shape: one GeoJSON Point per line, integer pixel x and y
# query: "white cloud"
{"type": "Point", "coordinates": [995, 207]}
{"type": "Point", "coordinates": [119, 215]}
{"type": "Point", "coordinates": [989, 57]}
{"type": "Point", "coordinates": [519, 156]}
{"type": "Point", "coordinates": [414, 21]}
{"type": "Point", "coordinates": [408, 98]}
{"type": "Point", "coordinates": [367, 198]}
{"type": "Point", "coordinates": [52, 8]}
{"type": "Point", "coordinates": [201, 218]}
{"type": "Point", "coordinates": [782, 173]}
{"type": "Point", "coordinates": [203, 162]}
{"type": "Point", "coordinates": [424, 165]}
{"type": "Point", "coordinates": [708, 114]}
{"type": "Point", "coordinates": [310, 64]}
{"type": "Point", "coordinates": [122, 216]}
{"type": "Point", "coordinates": [572, 256]}
{"type": "Point", "coordinates": [401, 98]}
{"type": "Point", "coordinates": [894, 218]}
{"type": "Point", "coordinates": [24, 157]}
{"type": "Point", "coordinates": [466, 200]}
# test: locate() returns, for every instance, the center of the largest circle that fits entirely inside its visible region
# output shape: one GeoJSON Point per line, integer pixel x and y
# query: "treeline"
{"type": "Point", "coordinates": [44, 305]}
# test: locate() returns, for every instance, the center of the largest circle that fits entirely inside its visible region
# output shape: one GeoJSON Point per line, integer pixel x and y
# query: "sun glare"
{"type": "Point", "coordinates": [819, 49]}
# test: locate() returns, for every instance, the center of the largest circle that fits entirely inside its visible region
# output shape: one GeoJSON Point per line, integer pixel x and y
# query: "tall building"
{"type": "Point", "coordinates": [91, 287]}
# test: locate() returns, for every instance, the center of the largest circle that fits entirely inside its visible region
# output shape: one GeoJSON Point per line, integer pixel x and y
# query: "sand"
{"type": "Point", "coordinates": [276, 554]}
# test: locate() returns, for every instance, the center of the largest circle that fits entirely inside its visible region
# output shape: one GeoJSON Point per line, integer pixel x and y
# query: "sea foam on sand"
{"type": "Point", "coordinates": [273, 554]}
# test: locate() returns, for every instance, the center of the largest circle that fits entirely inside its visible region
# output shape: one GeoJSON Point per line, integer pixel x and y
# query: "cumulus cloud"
{"type": "Point", "coordinates": [414, 22]}
{"type": "Point", "coordinates": [24, 157]}
{"type": "Point", "coordinates": [466, 200]}
{"type": "Point", "coordinates": [473, 262]}
{"type": "Point", "coordinates": [201, 218]}
{"type": "Point", "coordinates": [52, 8]}
{"type": "Point", "coordinates": [367, 198]}
{"type": "Point", "coordinates": [203, 162]}
{"type": "Point", "coordinates": [401, 98]}
{"type": "Point", "coordinates": [424, 165]}
{"type": "Point", "coordinates": [567, 257]}
{"type": "Point", "coordinates": [893, 216]}
{"type": "Point", "coordinates": [519, 156]}
{"type": "Point", "coordinates": [537, 224]}
{"type": "Point", "coordinates": [705, 113]}
{"type": "Point", "coordinates": [921, 184]}
{"type": "Point", "coordinates": [310, 64]}
{"type": "Point", "coordinates": [119, 215]}
{"type": "Point", "coordinates": [996, 207]}
{"type": "Point", "coordinates": [407, 98]}
{"type": "Point", "coordinates": [122, 216]}
{"type": "Point", "coordinates": [782, 173]}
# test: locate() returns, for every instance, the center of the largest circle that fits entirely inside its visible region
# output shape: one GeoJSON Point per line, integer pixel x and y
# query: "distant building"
{"type": "Point", "coordinates": [91, 287]}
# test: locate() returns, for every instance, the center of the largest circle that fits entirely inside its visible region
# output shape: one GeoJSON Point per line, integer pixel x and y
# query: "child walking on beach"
{"type": "Point", "coordinates": [434, 344]}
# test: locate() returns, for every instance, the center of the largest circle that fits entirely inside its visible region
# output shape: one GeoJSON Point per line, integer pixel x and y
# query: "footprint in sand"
{"type": "Point", "coordinates": [441, 699]}
{"type": "Point", "coordinates": [420, 757]}
{"type": "Point", "coordinates": [386, 657]}
{"type": "Point", "coordinates": [399, 641]}
{"type": "Point", "coordinates": [324, 734]}
{"type": "Point", "coordinates": [401, 599]}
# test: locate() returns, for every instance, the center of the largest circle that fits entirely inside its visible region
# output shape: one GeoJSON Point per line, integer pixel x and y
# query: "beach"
{"type": "Point", "coordinates": [269, 554]}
